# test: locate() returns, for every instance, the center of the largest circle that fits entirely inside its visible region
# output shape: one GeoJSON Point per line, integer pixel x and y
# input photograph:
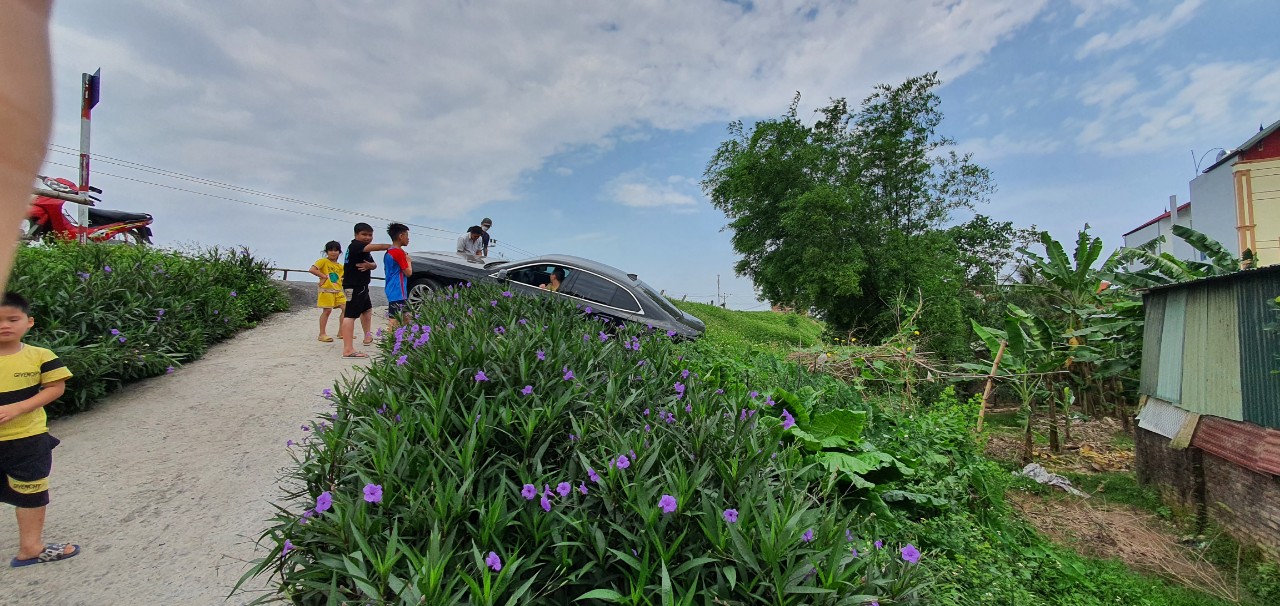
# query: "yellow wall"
{"type": "Point", "coordinates": [1258, 208]}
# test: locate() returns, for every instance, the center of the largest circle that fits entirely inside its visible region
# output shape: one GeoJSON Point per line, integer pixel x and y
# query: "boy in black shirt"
{"type": "Point", "coordinates": [355, 283]}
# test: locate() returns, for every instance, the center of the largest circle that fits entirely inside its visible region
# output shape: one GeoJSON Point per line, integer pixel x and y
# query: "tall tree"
{"type": "Point", "coordinates": [844, 215]}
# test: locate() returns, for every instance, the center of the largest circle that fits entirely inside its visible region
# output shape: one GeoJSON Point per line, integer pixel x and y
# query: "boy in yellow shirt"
{"type": "Point", "coordinates": [30, 378]}
{"type": "Point", "coordinates": [331, 297]}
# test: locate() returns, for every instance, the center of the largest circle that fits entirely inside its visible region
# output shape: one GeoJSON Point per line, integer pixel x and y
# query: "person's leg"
{"type": "Point", "coordinates": [347, 327]}
{"type": "Point", "coordinates": [31, 533]}
{"type": "Point", "coordinates": [324, 321]}
{"type": "Point", "coordinates": [366, 322]}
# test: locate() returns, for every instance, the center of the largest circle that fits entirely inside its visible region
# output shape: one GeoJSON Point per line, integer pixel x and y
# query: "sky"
{"type": "Point", "coordinates": [584, 127]}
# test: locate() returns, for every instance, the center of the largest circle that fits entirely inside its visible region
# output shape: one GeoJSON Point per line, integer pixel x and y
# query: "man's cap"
{"type": "Point", "coordinates": [486, 221]}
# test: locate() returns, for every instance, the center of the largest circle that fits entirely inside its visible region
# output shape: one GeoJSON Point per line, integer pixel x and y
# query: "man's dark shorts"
{"type": "Point", "coordinates": [24, 470]}
{"type": "Point", "coordinates": [396, 309]}
{"type": "Point", "coordinates": [358, 302]}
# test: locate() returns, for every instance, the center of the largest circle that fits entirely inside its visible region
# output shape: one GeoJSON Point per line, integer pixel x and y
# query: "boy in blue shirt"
{"type": "Point", "coordinates": [398, 268]}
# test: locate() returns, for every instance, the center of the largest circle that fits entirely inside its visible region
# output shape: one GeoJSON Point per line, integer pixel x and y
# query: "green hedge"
{"type": "Point", "coordinates": [117, 313]}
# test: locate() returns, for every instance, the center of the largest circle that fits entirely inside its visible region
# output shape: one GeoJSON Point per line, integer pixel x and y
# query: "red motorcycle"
{"type": "Point", "coordinates": [46, 216]}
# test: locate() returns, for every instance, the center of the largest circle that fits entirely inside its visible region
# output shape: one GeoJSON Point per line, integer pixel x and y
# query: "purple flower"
{"type": "Point", "coordinates": [684, 374]}
{"type": "Point", "coordinates": [807, 536]}
{"type": "Point", "coordinates": [106, 268]}
{"type": "Point", "coordinates": [401, 360]}
{"type": "Point", "coordinates": [731, 515]}
{"type": "Point", "coordinates": [122, 339]}
{"type": "Point", "coordinates": [623, 462]}
{"type": "Point", "coordinates": [688, 408]}
{"type": "Point", "coordinates": [83, 276]}
{"type": "Point", "coordinates": [646, 428]}
{"type": "Point", "coordinates": [679, 387]}
{"type": "Point", "coordinates": [770, 403]}
{"type": "Point", "coordinates": [568, 374]}
{"type": "Point", "coordinates": [667, 503]}
{"type": "Point", "coordinates": [753, 395]}
{"type": "Point", "coordinates": [719, 392]}
{"type": "Point", "coordinates": [582, 487]}
{"type": "Point", "coordinates": [541, 355]}
{"type": "Point", "coordinates": [573, 438]}
{"type": "Point", "coordinates": [671, 334]}
{"type": "Point", "coordinates": [288, 546]}
{"type": "Point", "coordinates": [493, 562]}
{"type": "Point", "coordinates": [848, 535]}
{"type": "Point", "coordinates": [326, 394]}
{"type": "Point", "coordinates": [500, 331]}
{"type": "Point", "coordinates": [522, 321]}
{"type": "Point", "coordinates": [588, 310]}
{"type": "Point", "coordinates": [788, 421]}
{"type": "Point", "coordinates": [910, 554]}
{"type": "Point", "coordinates": [306, 428]}
{"type": "Point", "coordinates": [233, 293]}
{"type": "Point", "coordinates": [563, 489]}
{"type": "Point", "coordinates": [603, 337]}
{"type": "Point", "coordinates": [288, 443]}
{"type": "Point", "coordinates": [168, 371]}
{"type": "Point", "coordinates": [546, 504]}
{"type": "Point", "coordinates": [593, 476]}
{"type": "Point", "coordinates": [855, 552]}
{"type": "Point", "coordinates": [879, 544]}
{"type": "Point", "coordinates": [586, 338]}
{"type": "Point", "coordinates": [528, 390]}
{"type": "Point", "coordinates": [373, 493]}
{"type": "Point", "coordinates": [480, 377]}
{"type": "Point", "coordinates": [529, 491]}
{"type": "Point", "coordinates": [506, 293]}
{"type": "Point", "coordinates": [324, 502]}
{"type": "Point", "coordinates": [115, 332]}
{"type": "Point", "coordinates": [646, 412]}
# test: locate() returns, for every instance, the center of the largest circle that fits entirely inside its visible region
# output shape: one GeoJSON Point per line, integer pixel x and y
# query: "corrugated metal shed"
{"type": "Point", "coordinates": [1211, 352]}
{"type": "Point", "coordinates": [1245, 444]}
{"type": "Point", "coordinates": [1151, 331]}
{"type": "Point", "coordinates": [1260, 386]}
{"type": "Point", "coordinates": [1169, 380]}
{"type": "Point", "coordinates": [1162, 417]}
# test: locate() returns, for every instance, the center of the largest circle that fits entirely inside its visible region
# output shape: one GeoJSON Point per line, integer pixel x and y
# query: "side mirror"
{"type": "Point", "coordinates": [502, 274]}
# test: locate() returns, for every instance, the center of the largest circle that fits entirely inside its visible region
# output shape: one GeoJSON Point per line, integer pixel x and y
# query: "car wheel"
{"type": "Point", "coordinates": [420, 289]}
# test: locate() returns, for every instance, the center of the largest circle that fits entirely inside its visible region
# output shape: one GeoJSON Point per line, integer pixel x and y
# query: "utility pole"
{"type": "Point", "coordinates": [89, 85]}
{"type": "Point", "coordinates": [718, 288]}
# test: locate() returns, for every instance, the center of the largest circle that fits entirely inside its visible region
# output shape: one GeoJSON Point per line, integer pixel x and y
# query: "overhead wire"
{"type": "Point", "coordinates": [240, 189]}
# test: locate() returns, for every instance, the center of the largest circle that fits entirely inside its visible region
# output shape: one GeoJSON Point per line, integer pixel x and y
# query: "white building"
{"type": "Point", "coordinates": [1163, 226]}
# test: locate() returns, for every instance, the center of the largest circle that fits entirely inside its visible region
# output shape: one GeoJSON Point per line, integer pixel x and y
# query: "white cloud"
{"type": "Point", "coordinates": [1091, 9]}
{"type": "Point", "coordinates": [1182, 108]}
{"type": "Point", "coordinates": [461, 99]}
{"type": "Point", "coordinates": [634, 190]}
{"type": "Point", "coordinates": [563, 171]}
{"type": "Point", "coordinates": [989, 149]}
{"type": "Point", "coordinates": [1152, 28]}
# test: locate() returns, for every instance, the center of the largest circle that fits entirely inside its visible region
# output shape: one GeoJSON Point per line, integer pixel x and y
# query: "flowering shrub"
{"type": "Point", "coordinates": [117, 313]}
{"type": "Point", "coordinates": [561, 459]}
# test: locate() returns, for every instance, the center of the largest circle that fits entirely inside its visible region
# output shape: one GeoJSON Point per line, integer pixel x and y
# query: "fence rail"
{"type": "Point", "coordinates": [284, 273]}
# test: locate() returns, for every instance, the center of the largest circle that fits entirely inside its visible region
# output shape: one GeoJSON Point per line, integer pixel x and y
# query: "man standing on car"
{"type": "Point", "coordinates": [485, 224]}
{"type": "Point", "coordinates": [469, 244]}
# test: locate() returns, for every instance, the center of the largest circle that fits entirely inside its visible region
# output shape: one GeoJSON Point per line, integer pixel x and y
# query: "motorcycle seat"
{"type": "Point", "coordinates": [103, 216]}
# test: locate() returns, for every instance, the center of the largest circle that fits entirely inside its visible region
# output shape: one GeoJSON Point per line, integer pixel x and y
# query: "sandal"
{"type": "Point", "coordinates": [356, 354]}
{"type": "Point", "coordinates": [53, 552]}
{"type": "Point", "coordinates": [368, 340]}
{"type": "Point", "coordinates": [326, 339]}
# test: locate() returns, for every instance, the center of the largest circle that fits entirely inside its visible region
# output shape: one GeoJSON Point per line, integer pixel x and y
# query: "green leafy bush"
{"type": "Point", "coordinates": [515, 450]}
{"type": "Point", "coordinates": [117, 314]}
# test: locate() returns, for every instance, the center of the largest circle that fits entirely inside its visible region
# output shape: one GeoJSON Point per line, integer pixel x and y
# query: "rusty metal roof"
{"type": "Point", "coordinates": [1245, 444]}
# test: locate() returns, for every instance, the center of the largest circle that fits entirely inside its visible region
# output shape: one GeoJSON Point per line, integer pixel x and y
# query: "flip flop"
{"type": "Point", "coordinates": [53, 552]}
{"type": "Point", "coordinates": [368, 341]}
{"type": "Point", "coordinates": [356, 355]}
{"type": "Point", "coordinates": [326, 339]}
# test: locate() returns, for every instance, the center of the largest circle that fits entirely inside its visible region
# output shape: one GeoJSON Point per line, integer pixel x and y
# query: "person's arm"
{"type": "Point", "coordinates": [26, 110]}
{"type": "Point", "coordinates": [315, 271]}
{"type": "Point", "coordinates": [52, 391]}
{"type": "Point", "coordinates": [462, 244]}
{"type": "Point", "coordinates": [376, 247]}
{"type": "Point", "coordinates": [402, 260]}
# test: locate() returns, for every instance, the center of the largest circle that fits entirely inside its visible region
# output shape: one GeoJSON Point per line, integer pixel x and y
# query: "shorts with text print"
{"type": "Point", "coordinates": [25, 464]}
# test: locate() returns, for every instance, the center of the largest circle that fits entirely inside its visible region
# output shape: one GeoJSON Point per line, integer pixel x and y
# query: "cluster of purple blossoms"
{"type": "Point", "coordinates": [568, 374]}
{"type": "Point", "coordinates": [541, 355]}
{"type": "Point", "coordinates": [633, 344]}
{"type": "Point", "coordinates": [500, 331]}
{"type": "Point", "coordinates": [604, 336]}
{"type": "Point", "coordinates": [788, 421]}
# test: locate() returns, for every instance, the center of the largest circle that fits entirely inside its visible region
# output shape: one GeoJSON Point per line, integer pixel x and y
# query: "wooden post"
{"type": "Point", "coordinates": [991, 379]}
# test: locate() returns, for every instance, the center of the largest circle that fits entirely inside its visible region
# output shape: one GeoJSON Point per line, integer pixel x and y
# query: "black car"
{"type": "Point", "coordinates": [608, 291]}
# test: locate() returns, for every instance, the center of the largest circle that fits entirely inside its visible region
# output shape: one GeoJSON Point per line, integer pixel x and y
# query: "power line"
{"type": "Point", "coordinates": [212, 183]}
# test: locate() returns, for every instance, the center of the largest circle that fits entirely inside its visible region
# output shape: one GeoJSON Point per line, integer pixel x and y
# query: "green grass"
{"type": "Point", "coordinates": [767, 329]}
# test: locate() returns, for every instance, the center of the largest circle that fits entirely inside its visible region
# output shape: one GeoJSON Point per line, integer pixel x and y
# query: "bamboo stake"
{"type": "Point", "coordinates": [991, 380]}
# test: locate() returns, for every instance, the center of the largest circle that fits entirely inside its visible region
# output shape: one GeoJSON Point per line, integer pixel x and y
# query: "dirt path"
{"type": "Point", "coordinates": [167, 484]}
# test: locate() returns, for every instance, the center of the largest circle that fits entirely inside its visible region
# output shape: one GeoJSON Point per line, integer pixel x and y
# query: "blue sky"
{"type": "Point", "coordinates": [585, 128]}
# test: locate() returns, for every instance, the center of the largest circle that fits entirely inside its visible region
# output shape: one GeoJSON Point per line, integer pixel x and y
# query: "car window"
{"type": "Point", "coordinates": [535, 275]}
{"type": "Point", "coordinates": [661, 300]}
{"type": "Point", "coordinates": [601, 290]}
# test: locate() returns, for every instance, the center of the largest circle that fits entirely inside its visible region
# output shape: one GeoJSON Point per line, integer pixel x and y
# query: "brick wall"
{"type": "Point", "coordinates": [1244, 502]}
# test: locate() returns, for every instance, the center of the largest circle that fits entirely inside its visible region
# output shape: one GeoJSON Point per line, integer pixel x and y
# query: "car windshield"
{"type": "Point", "coordinates": [494, 264]}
